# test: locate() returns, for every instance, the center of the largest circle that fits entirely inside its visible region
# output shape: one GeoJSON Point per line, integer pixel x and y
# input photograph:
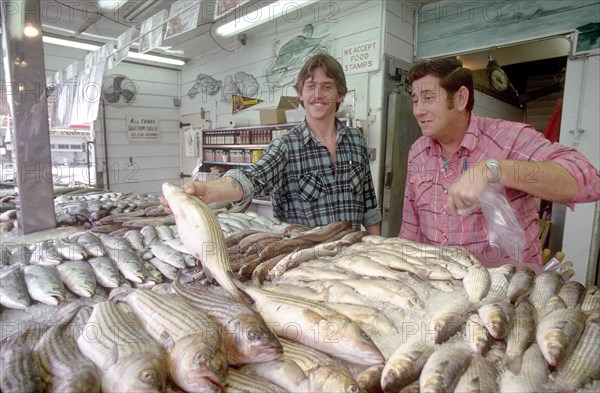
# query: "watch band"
{"type": "Point", "coordinates": [494, 167]}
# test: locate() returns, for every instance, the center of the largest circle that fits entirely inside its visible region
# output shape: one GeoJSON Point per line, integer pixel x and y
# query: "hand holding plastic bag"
{"type": "Point", "coordinates": [500, 220]}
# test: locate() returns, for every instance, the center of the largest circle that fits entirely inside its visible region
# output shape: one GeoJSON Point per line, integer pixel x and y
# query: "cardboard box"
{"type": "Point", "coordinates": [277, 115]}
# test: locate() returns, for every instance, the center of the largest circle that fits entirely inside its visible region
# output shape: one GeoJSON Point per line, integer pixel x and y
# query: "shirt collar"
{"type": "Point", "coordinates": [469, 141]}
{"type": "Point", "coordinates": [341, 130]}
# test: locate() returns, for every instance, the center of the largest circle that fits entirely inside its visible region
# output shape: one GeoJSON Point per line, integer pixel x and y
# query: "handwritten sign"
{"type": "Point", "coordinates": [143, 129]}
{"type": "Point", "coordinates": [361, 57]}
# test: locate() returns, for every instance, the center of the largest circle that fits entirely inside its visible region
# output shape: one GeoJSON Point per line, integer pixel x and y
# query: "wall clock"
{"type": "Point", "coordinates": [498, 78]}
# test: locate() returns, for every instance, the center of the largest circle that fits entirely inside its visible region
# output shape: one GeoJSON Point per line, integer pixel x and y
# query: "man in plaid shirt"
{"type": "Point", "coordinates": [461, 154]}
{"type": "Point", "coordinates": [316, 174]}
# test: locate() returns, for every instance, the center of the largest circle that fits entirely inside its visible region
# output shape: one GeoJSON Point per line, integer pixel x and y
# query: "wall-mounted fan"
{"type": "Point", "coordinates": [119, 90]}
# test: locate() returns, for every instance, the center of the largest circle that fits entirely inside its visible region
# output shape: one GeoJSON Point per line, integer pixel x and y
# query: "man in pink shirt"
{"type": "Point", "coordinates": [461, 154]}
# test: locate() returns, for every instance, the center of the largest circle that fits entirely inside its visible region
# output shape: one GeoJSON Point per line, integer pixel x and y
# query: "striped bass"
{"type": "Point", "coordinates": [129, 264]}
{"type": "Point", "coordinates": [63, 367]}
{"type": "Point", "coordinates": [248, 339]}
{"type": "Point", "coordinates": [19, 370]}
{"type": "Point", "coordinates": [201, 233]}
{"type": "Point", "coordinates": [572, 293]}
{"type": "Point", "coordinates": [128, 358]}
{"type": "Point", "coordinates": [315, 325]}
{"type": "Point", "coordinates": [282, 372]}
{"type": "Point", "coordinates": [78, 276]}
{"type": "Point", "coordinates": [195, 349]}
{"type": "Point", "coordinates": [105, 271]}
{"type": "Point", "coordinates": [239, 382]}
{"type": "Point", "coordinates": [168, 254]}
{"type": "Point", "coordinates": [558, 332]}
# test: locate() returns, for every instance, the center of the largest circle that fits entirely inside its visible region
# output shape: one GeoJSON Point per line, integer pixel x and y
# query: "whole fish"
{"type": "Point", "coordinates": [477, 335]}
{"type": "Point", "coordinates": [498, 318]}
{"type": "Point", "coordinates": [315, 325]}
{"type": "Point", "coordinates": [405, 364]}
{"type": "Point", "coordinates": [13, 292]}
{"type": "Point", "coordinates": [136, 239]}
{"type": "Point", "coordinates": [572, 293]}
{"type": "Point", "coordinates": [195, 349]}
{"type": "Point", "coordinates": [582, 366]}
{"type": "Point", "coordinates": [201, 233]}
{"type": "Point", "coordinates": [105, 271]}
{"type": "Point", "coordinates": [128, 358]}
{"type": "Point", "coordinates": [308, 273]}
{"type": "Point", "coordinates": [44, 284]}
{"type": "Point", "coordinates": [522, 334]}
{"type": "Point", "coordinates": [168, 254]}
{"type": "Point", "coordinates": [63, 368]}
{"type": "Point", "coordinates": [398, 293]}
{"type": "Point", "coordinates": [477, 283]}
{"type": "Point", "coordinates": [520, 284]}
{"type": "Point", "coordinates": [165, 268]}
{"type": "Point", "coordinates": [248, 339]}
{"type": "Point", "coordinates": [553, 304]}
{"type": "Point", "coordinates": [558, 332]}
{"type": "Point", "coordinates": [443, 369]}
{"type": "Point", "coordinates": [129, 264]}
{"type": "Point", "coordinates": [481, 376]}
{"type": "Point", "coordinates": [546, 285]}
{"type": "Point", "coordinates": [150, 235]}
{"type": "Point", "coordinates": [78, 276]}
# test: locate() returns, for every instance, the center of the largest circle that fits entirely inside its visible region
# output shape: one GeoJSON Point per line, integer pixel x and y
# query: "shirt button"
{"type": "Point", "coordinates": [445, 191]}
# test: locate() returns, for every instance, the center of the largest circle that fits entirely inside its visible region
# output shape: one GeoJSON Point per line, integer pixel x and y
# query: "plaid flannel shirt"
{"type": "Point", "coordinates": [304, 185]}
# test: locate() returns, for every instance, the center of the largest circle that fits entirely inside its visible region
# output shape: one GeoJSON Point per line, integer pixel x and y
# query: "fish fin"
{"type": "Point", "coordinates": [119, 293]}
{"type": "Point", "coordinates": [242, 295]}
{"type": "Point", "coordinates": [167, 340]}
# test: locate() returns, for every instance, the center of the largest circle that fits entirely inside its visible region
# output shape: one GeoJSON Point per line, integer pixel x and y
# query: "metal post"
{"type": "Point", "coordinates": [26, 93]}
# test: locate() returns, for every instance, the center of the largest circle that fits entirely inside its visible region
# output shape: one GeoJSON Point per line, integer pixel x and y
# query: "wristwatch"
{"type": "Point", "coordinates": [494, 167]}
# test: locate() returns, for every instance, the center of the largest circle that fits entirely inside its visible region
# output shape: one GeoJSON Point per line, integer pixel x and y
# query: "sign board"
{"type": "Point", "coordinates": [143, 129]}
{"type": "Point", "coordinates": [361, 57]}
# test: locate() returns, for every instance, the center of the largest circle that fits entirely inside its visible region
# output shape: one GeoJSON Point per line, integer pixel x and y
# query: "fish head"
{"type": "Point", "coordinates": [252, 341]}
{"type": "Point", "coordinates": [553, 346]}
{"type": "Point", "coordinates": [326, 379]}
{"type": "Point", "coordinates": [136, 373]}
{"type": "Point", "coordinates": [197, 364]}
{"type": "Point", "coordinates": [433, 383]}
{"type": "Point", "coordinates": [354, 344]}
{"type": "Point", "coordinates": [397, 374]}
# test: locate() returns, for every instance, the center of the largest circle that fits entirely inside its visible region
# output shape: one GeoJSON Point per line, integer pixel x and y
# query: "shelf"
{"type": "Point", "coordinates": [226, 163]}
{"type": "Point", "coordinates": [245, 147]}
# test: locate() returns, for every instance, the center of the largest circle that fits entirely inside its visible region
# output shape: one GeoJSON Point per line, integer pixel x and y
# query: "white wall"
{"type": "Point", "coordinates": [133, 167]}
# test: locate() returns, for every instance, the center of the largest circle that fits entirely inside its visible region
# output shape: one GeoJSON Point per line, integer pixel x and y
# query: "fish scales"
{"type": "Point", "coordinates": [405, 364]}
{"type": "Point", "coordinates": [347, 341]}
{"type": "Point", "coordinates": [443, 369]}
{"type": "Point", "coordinates": [582, 366]}
{"type": "Point", "coordinates": [306, 357]}
{"type": "Point", "coordinates": [521, 335]}
{"type": "Point", "coordinates": [248, 338]}
{"type": "Point", "coordinates": [558, 332]}
{"type": "Point", "coordinates": [591, 300]}
{"type": "Point", "coordinates": [195, 348]}
{"type": "Point", "coordinates": [63, 367]}
{"type": "Point", "coordinates": [546, 285]}
{"type": "Point", "coordinates": [241, 383]}
{"type": "Point", "coordinates": [19, 370]}
{"type": "Point", "coordinates": [572, 292]}
{"type": "Point", "coordinates": [480, 376]}
{"type": "Point", "coordinates": [201, 233]}
{"type": "Point", "coordinates": [477, 283]}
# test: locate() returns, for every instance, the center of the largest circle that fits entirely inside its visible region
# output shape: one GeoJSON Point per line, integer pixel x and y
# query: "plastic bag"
{"type": "Point", "coordinates": [501, 223]}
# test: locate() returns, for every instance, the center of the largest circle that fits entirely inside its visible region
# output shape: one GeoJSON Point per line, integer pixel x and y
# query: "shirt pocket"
{"type": "Point", "coordinates": [424, 189]}
{"type": "Point", "coordinates": [311, 186]}
{"type": "Point", "coordinates": [352, 178]}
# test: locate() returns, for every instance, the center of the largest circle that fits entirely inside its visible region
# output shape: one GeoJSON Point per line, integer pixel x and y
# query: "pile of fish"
{"type": "Point", "coordinates": [246, 303]}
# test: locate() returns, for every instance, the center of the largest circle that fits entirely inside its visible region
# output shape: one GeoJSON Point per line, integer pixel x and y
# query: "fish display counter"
{"type": "Point", "coordinates": [123, 296]}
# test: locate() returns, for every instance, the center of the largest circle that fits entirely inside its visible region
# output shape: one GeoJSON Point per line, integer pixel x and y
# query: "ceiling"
{"type": "Point", "coordinates": [100, 21]}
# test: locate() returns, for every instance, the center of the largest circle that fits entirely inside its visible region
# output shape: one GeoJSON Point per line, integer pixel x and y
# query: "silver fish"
{"type": "Point", "coordinates": [114, 243]}
{"type": "Point", "coordinates": [150, 235]}
{"type": "Point", "coordinates": [78, 276]}
{"type": "Point", "coordinates": [168, 254]}
{"type": "Point", "coordinates": [44, 284]}
{"type": "Point", "coordinates": [443, 369]}
{"type": "Point", "coordinates": [44, 253]}
{"type": "Point", "coordinates": [239, 382]}
{"type": "Point", "coordinates": [165, 268]}
{"type": "Point", "coordinates": [521, 335]}
{"type": "Point", "coordinates": [369, 380]}
{"type": "Point", "coordinates": [105, 271]}
{"type": "Point", "coordinates": [69, 250]}
{"type": "Point", "coordinates": [405, 364]}
{"type": "Point", "coordinates": [304, 356]}
{"type": "Point", "coordinates": [533, 376]}
{"type": "Point", "coordinates": [582, 366]}
{"type": "Point", "coordinates": [520, 284]}
{"type": "Point", "coordinates": [366, 316]}
{"type": "Point", "coordinates": [477, 335]}
{"type": "Point", "coordinates": [315, 325]}
{"type": "Point", "coordinates": [558, 332]}
{"type": "Point", "coordinates": [546, 285]}
{"type": "Point", "coordinates": [398, 293]}
{"type": "Point", "coordinates": [129, 264]}
{"type": "Point", "coordinates": [200, 232]}
{"type": "Point", "coordinates": [572, 293]}
{"type": "Point", "coordinates": [498, 318]}
{"type": "Point", "coordinates": [195, 349]}
{"type": "Point", "coordinates": [477, 283]}
{"type": "Point", "coordinates": [330, 378]}
{"type": "Point", "coordinates": [591, 300]}
{"type": "Point", "coordinates": [281, 372]}
{"type": "Point", "coordinates": [13, 292]}
{"type": "Point", "coordinates": [248, 339]}
{"type": "Point", "coordinates": [19, 370]}
{"type": "Point", "coordinates": [128, 358]}
{"type": "Point", "coordinates": [136, 239]}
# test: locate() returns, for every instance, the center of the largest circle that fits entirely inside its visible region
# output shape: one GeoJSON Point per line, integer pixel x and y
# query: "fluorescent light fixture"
{"type": "Point", "coordinates": [265, 14]}
{"type": "Point", "coordinates": [92, 47]}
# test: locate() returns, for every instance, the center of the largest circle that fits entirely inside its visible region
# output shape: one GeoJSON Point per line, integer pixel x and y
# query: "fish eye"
{"type": "Point", "coordinates": [353, 389]}
{"type": "Point", "coordinates": [147, 375]}
{"type": "Point", "coordinates": [253, 335]}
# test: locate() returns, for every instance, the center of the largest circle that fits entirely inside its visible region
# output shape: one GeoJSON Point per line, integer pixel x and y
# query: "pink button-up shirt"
{"type": "Point", "coordinates": [426, 217]}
